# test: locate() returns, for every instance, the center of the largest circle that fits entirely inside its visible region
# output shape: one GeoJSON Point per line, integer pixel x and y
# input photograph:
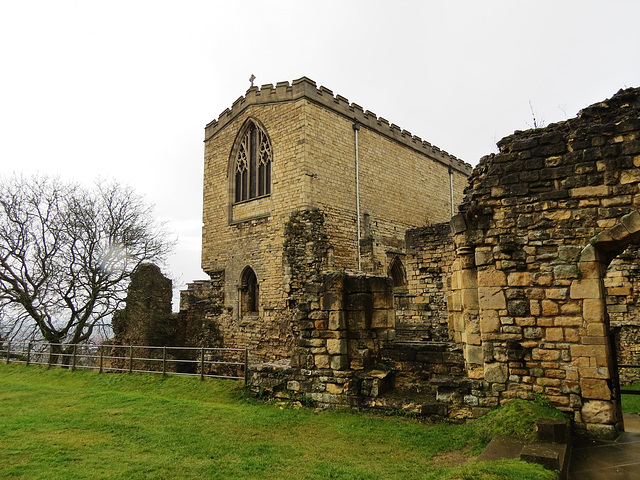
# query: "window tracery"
{"type": "Point", "coordinates": [253, 165]}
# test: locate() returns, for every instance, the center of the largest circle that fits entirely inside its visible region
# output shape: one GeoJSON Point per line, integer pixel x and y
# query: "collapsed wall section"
{"type": "Point", "coordinates": [421, 306]}
{"type": "Point", "coordinates": [540, 224]}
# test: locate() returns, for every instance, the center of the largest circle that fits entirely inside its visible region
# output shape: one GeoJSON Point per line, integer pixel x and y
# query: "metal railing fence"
{"type": "Point", "coordinates": [230, 363]}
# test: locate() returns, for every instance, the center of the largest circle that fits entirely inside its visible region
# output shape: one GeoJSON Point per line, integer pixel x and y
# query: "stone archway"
{"type": "Point", "coordinates": [595, 357]}
{"type": "Point", "coordinates": [540, 224]}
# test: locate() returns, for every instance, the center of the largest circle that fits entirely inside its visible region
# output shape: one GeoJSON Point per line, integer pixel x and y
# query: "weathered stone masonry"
{"type": "Point", "coordinates": [312, 145]}
{"type": "Point", "coordinates": [541, 222]}
{"type": "Point", "coordinates": [539, 268]}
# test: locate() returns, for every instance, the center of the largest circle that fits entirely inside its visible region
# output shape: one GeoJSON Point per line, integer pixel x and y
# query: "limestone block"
{"type": "Point", "coordinates": [545, 355]}
{"type": "Point", "coordinates": [588, 351]}
{"type": "Point", "coordinates": [619, 291]}
{"type": "Point", "coordinates": [597, 330]}
{"type": "Point", "coordinates": [602, 237]}
{"type": "Point", "coordinates": [618, 232]}
{"type": "Point", "coordinates": [567, 322]}
{"type": "Point", "coordinates": [587, 288]}
{"type": "Point", "coordinates": [590, 192]}
{"type": "Point", "coordinates": [293, 385]}
{"type": "Point", "coordinates": [491, 278]}
{"type": "Point", "coordinates": [589, 254]}
{"type": "Point", "coordinates": [595, 388]}
{"type": "Point", "coordinates": [491, 298]}
{"type": "Point", "coordinates": [339, 362]}
{"type": "Point", "coordinates": [484, 256]}
{"type": "Point", "coordinates": [453, 302]}
{"type": "Point", "coordinates": [383, 319]}
{"type": "Point", "coordinates": [554, 335]}
{"type": "Point", "coordinates": [335, 389]}
{"type": "Point", "coordinates": [556, 293]}
{"type": "Point", "coordinates": [496, 372]}
{"type": "Point", "coordinates": [472, 339]}
{"type": "Point", "coordinates": [474, 354]}
{"type": "Point", "coordinates": [337, 320]}
{"type": "Point", "coordinates": [594, 372]}
{"type": "Point", "coordinates": [475, 371]}
{"type": "Point", "coordinates": [322, 361]}
{"type": "Point", "coordinates": [568, 253]}
{"type": "Point", "coordinates": [467, 278]}
{"type": "Point", "coordinates": [593, 310]}
{"type": "Point", "coordinates": [563, 272]}
{"type": "Point", "coordinates": [356, 320]}
{"type": "Point", "coordinates": [518, 307]}
{"type": "Point", "coordinates": [534, 308]}
{"type": "Point", "coordinates": [332, 301]}
{"type": "Point", "coordinates": [543, 279]}
{"type": "Point", "coordinates": [549, 308]}
{"type": "Point", "coordinates": [519, 279]}
{"type": "Point", "coordinates": [469, 298]}
{"type": "Point", "coordinates": [382, 300]}
{"type": "Point", "coordinates": [337, 346]}
{"type": "Point", "coordinates": [598, 411]}
{"type": "Point", "coordinates": [489, 321]}
{"type": "Point", "coordinates": [532, 332]}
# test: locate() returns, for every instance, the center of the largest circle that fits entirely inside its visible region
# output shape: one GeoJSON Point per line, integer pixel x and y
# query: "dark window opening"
{"type": "Point", "coordinates": [250, 292]}
{"type": "Point", "coordinates": [397, 273]}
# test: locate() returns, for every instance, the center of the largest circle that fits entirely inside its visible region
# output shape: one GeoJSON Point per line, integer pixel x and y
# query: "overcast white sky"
{"type": "Point", "coordinates": [123, 89]}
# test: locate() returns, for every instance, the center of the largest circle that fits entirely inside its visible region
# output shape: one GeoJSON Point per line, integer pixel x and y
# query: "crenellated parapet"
{"type": "Point", "coordinates": [307, 88]}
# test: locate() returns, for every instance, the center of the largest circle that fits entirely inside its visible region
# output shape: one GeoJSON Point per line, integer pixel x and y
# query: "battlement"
{"type": "Point", "coordinates": [306, 88]}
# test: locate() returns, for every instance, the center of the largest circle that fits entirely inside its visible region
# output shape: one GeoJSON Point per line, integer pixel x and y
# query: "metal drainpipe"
{"type": "Point", "coordinates": [356, 128]}
{"type": "Point", "coordinates": [453, 208]}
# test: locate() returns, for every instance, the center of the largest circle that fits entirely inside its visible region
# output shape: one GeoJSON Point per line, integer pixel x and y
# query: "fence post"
{"type": "Point", "coordinates": [101, 357]}
{"type": "Point", "coordinates": [164, 360]}
{"type": "Point", "coordinates": [246, 366]}
{"type": "Point", "coordinates": [130, 358]}
{"type": "Point", "coordinates": [50, 354]}
{"type": "Point", "coordinates": [202, 364]}
{"type": "Point", "coordinates": [8, 351]}
{"type": "Point", "coordinates": [73, 358]}
{"type": "Point", "coordinates": [28, 353]}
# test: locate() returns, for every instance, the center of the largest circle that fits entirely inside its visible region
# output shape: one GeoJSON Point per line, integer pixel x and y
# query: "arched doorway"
{"type": "Point", "coordinates": [609, 260]}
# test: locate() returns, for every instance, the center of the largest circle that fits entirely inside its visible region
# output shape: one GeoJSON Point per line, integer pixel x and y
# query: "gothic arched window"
{"type": "Point", "coordinates": [252, 164]}
{"type": "Point", "coordinates": [397, 272]}
{"type": "Point", "coordinates": [249, 292]}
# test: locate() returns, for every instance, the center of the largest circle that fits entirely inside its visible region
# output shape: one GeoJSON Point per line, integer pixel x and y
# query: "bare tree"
{"type": "Point", "coordinates": [66, 254]}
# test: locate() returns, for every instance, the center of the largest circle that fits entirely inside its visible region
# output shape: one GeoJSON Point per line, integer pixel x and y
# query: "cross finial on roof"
{"type": "Point", "coordinates": [252, 78]}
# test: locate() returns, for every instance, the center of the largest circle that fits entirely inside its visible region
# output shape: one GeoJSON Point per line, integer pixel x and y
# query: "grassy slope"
{"type": "Point", "coordinates": [63, 425]}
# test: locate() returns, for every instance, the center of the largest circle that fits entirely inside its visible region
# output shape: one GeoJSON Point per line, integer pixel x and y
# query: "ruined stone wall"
{"type": "Point", "coordinates": [540, 223]}
{"type": "Point", "coordinates": [346, 355]}
{"type": "Point", "coordinates": [421, 308]}
{"type": "Point", "coordinates": [145, 321]}
{"type": "Point", "coordinates": [146, 318]}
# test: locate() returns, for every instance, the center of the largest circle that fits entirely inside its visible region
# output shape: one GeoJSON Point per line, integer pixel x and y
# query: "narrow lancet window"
{"type": "Point", "coordinates": [250, 292]}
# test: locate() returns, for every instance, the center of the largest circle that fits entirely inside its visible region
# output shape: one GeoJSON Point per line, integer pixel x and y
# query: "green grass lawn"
{"type": "Point", "coordinates": [631, 403]}
{"type": "Point", "coordinates": [77, 425]}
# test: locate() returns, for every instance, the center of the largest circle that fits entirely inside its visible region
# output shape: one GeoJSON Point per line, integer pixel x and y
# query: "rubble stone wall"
{"type": "Point", "coordinates": [421, 307]}
{"type": "Point", "coordinates": [540, 224]}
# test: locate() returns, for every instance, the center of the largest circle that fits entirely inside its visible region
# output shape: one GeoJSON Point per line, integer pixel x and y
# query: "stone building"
{"type": "Point", "coordinates": [294, 166]}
